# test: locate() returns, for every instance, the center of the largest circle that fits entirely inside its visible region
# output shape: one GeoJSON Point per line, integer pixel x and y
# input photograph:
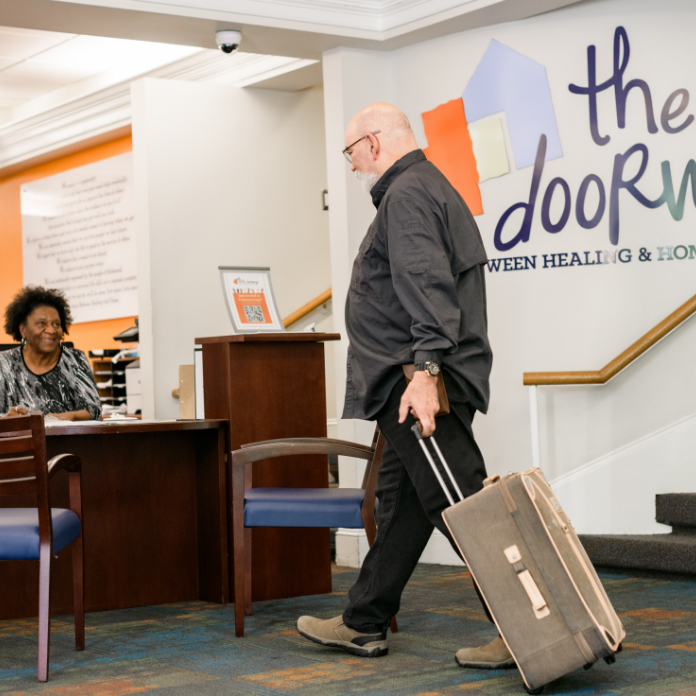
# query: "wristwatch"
{"type": "Point", "coordinates": [432, 368]}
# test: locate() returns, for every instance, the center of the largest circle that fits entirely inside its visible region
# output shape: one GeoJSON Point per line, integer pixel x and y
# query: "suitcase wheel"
{"type": "Point", "coordinates": [533, 692]}
{"type": "Point", "coordinates": [588, 665]}
{"type": "Point", "coordinates": [610, 659]}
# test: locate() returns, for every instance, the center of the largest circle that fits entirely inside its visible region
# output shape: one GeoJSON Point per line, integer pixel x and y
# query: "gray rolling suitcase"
{"type": "Point", "coordinates": [539, 584]}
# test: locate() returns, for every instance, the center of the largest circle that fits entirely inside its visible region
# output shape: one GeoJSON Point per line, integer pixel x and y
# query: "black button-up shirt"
{"type": "Point", "coordinates": [417, 291]}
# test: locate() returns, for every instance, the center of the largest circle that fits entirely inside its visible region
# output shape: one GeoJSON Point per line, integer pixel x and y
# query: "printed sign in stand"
{"type": "Point", "coordinates": [250, 300]}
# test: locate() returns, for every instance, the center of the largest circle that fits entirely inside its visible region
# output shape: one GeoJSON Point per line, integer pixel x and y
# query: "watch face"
{"type": "Point", "coordinates": [432, 368]}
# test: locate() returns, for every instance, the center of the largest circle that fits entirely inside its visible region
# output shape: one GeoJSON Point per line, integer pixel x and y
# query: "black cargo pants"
{"type": "Point", "coordinates": [410, 505]}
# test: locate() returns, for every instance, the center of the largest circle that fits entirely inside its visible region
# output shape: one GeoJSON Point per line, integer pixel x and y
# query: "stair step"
{"type": "Point", "coordinates": [676, 509]}
{"type": "Point", "coordinates": [670, 553]}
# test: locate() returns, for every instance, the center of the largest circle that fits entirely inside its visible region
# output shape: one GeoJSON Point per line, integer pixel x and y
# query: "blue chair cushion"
{"type": "Point", "coordinates": [19, 532]}
{"type": "Point", "coordinates": [303, 507]}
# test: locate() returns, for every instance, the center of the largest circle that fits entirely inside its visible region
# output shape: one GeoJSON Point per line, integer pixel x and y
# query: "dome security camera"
{"type": "Point", "coordinates": [228, 40]}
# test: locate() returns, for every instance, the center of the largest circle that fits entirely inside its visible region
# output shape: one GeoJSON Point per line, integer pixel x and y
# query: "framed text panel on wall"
{"type": "Point", "coordinates": [78, 235]}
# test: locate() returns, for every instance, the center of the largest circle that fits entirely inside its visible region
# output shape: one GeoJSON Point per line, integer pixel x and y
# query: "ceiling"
{"type": "Point", "coordinates": [42, 69]}
{"type": "Point", "coordinates": [299, 28]}
{"type": "Point", "coordinates": [35, 63]}
{"type": "Point", "coordinates": [66, 65]}
{"type": "Point", "coordinates": [54, 51]}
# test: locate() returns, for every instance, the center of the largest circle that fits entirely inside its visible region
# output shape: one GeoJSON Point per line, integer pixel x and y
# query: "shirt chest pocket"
{"type": "Point", "coordinates": [371, 271]}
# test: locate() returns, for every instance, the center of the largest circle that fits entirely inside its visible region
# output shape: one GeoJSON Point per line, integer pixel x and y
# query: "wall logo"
{"type": "Point", "coordinates": [506, 81]}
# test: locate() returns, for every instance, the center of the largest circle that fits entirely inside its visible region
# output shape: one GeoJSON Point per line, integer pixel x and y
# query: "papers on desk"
{"type": "Point", "coordinates": [55, 422]}
{"type": "Point", "coordinates": [50, 422]}
{"type": "Point", "coordinates": [144, 421]}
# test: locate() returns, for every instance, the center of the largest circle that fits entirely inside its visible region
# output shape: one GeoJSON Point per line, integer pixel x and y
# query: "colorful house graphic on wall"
{"type": "Point", "coordinates": [506, 82]}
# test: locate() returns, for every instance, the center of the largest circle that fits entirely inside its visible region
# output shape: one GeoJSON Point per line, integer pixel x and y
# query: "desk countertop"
{"type": "Point", "coordinates": [129, 427]}
{"type": "Point", "coordinates": [287, 337]}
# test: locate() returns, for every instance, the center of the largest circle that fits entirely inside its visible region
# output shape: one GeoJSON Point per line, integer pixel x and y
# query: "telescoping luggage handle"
{"type": "Point", "coordinates": [512, 553]}
{"type": "Point", "coordinates": [416, 430]}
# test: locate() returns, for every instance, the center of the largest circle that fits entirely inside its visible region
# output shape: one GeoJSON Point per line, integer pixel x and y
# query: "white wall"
{"type": "Point", "coordinates": [347, 90]}
{"type": "Point", "coordinates": [572, 318]}
{"type": "Point", "coordinates": [352, 79]}
{"type": "Point", "coordinates": [615, 493]}
{"type": "Point", "coordinates": [224, 176]}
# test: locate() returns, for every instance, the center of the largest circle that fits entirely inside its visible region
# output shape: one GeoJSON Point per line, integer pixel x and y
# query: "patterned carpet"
{"type": "Point", "coordinates": [190, 648]}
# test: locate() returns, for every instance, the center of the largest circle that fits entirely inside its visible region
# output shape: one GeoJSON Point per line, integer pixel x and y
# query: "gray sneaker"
{"type": "Point", "coordinates": [495, 655]}
{"type": "Point", "coordinates": [335, 634]}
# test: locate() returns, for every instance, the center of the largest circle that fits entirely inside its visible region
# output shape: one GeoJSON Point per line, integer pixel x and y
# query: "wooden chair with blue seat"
{"type": "Point", "coordinates": [40, 532]}
{"type": "Point", "coordinates": [296, 507]}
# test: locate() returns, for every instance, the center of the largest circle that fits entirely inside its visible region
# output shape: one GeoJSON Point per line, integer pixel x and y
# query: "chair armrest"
{"type": "Point", "coordinates": [68, 462]}
{"type": "Point", "coordinates": [73, 465]}
{"type": "Point", "coordinates": [309, 440]}
{"type": "Point", "coordinates": [269, 449]}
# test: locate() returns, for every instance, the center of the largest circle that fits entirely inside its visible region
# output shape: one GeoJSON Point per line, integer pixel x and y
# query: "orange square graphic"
{"type": "Point", "coordinates": [450, 149]}
{"type": "Point", "coordinates": [252, 308]}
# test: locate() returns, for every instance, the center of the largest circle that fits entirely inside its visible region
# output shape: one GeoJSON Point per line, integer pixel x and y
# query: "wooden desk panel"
{"type": "Point", "coordinates": [155, 519]}
{"type": "Point", "coordinates": [273, 386]}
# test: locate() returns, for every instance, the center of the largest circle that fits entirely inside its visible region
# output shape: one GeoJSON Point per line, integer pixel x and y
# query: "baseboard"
{"type": "Point", "coordinates": [352, 547]}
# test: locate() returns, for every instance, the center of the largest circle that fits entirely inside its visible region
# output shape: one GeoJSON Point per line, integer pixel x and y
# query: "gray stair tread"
{"type": "Point", "coordinates": [676, 509]}
{"type": "Point", "coordinates": [665, 552]}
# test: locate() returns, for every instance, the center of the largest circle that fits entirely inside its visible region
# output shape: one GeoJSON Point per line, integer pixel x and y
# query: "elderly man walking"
{"type": "Point", "coordinates": [417, 296]}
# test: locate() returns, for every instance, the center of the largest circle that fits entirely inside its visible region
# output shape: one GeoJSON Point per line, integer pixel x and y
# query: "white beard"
{"type": "Point", "coordinates": [367, 179]}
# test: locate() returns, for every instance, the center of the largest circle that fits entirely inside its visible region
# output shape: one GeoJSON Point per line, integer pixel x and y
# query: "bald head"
{"type": "Point", "coordinates": [396, 133]}
{"type": "Point", "coordinates": [394, 140]}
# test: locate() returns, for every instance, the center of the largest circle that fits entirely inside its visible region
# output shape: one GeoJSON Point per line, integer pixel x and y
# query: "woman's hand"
{"type": "Point", "coordinates": [72, 415]}
{"type": "Point", "coordinates": [16, 411]}
{"type": "Point", "coordinates": [68, 415]}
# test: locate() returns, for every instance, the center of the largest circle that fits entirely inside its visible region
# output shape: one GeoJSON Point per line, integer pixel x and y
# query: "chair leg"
{"type": "Point", "coordinates": [237, 489]}
{"type": "Point", "coordinates": [78, 569]}
{"type": "Point", "coordinates": [394, 627]}
{"type": "Point", "coordinates": [238, 595]}
{"type": "Point", "coordinates": [247, 571]}
{"type": "Point", "coordinates": [44, 610]}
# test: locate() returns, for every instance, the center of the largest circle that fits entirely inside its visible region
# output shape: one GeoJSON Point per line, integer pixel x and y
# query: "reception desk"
{"type": "Point", "coordinates": [155, 518]}
{"type": "Point", "coordinates": [155, 494]}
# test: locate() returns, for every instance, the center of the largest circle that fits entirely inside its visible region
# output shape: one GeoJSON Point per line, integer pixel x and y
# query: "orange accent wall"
{"type": "Point", "coordinates": [85, 336]}
{"type": "Point", "coordinates": [451, 151]}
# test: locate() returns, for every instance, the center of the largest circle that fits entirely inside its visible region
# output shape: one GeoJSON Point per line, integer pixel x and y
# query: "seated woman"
{"type": "Point", "coordinates": [42, 374]}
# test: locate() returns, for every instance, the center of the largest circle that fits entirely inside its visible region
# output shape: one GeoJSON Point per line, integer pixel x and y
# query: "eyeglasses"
{"type": "Point", "coordinates": [349, 155]}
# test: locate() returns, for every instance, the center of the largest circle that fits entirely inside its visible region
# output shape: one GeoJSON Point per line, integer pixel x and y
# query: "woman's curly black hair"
{"type": "Point", "coordinates": [27, 300]}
